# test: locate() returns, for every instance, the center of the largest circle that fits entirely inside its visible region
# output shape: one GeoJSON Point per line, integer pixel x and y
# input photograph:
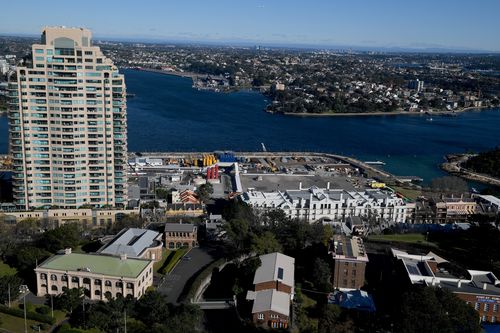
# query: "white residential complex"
{"type": "Point", "coordinates": [316, 204]}
{"type": "Point", "coordinates": [67, 125]}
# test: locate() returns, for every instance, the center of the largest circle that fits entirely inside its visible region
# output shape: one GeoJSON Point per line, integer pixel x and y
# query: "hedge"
{"type": "Point", "coordinates": [29, 315]}
{"type": "Point", "coordinates": [172, 260]}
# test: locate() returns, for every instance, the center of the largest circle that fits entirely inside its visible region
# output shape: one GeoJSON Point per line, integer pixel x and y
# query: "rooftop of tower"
{"type": "Point", "coordinates": [64, 37]}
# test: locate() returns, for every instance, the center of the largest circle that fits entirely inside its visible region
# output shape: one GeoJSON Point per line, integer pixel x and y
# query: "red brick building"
{"type": "Point", "coordinates": [350, 262]}
{"type": "Point", "coordinates": [180, 235]}
{"type": "Point", "coordinates": [274, 288]}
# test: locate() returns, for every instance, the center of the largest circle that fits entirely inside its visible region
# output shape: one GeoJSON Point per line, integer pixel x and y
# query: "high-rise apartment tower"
{"type": "Point", "coordinates": [67, 125]}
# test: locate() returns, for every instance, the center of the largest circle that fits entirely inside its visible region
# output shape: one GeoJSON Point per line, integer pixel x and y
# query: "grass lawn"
{"type": "Point", "coordinates": [409, 193]}
{"type": "Point", "coordinates": [402, 238]}
{"type": "Point", "coordinates": [16, 324]}
{"type": "Point", "coordinates": [307, 301]}
{"type": "Point", "coordinates": [6, 269]}
{"type": "Point", "coordinates": [158, 265]}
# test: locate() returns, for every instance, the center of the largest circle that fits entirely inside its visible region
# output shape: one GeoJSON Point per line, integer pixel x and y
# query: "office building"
{"type": "Point", "coordinates": [67, 125]}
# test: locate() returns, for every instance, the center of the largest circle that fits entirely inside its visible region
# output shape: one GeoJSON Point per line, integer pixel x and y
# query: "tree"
{"type": "Point", "coordinates": [152, 308]}
{"type": "Point", "coordinates": [449, 184]}
{"type": "Point", "coordinates": [332, 320]}
{"type": "Point", "coordinates": [68, 300]}
{"type": "Point", "coordinates": [320, 233]}
{"type": "Point", "coordinates": [293, 235]}
{"type": "Point", "coordinates": [265, 243]}
{"type": "Point", "coordinates": [26, 257]}
{"type": "Point", "coordinates": [65, 236]}
{"type": "Point", "coordinates": [275, 218]}
{"type": "Point", "coordinates": [7, 238]}
{"type": "Point", "coordinates": [7, 282]}
{"type": "Point", "coordinates": [236, 209]}
{"type": "Point", "coordinates": [427, 309]}
{"type": "Point", "coordinates": [162, 194]}
{"type": "Point", "coordinates": [27, 227]}
{"type": "Point", "coordinates": [127, 221]}
{"type": "Point", "coordinates": [204, 191]}
{"type": "Point", "coordinates": [238, 235]}
{"type": "Point", "coordinates": [321, 275]}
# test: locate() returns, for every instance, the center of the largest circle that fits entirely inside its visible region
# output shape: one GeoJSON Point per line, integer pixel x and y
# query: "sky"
{"type": "Point", "coordinates": [451, 24]}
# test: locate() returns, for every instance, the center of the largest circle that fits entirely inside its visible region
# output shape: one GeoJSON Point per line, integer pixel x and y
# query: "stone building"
{"type": "Point", "coordinates": [100, 276]}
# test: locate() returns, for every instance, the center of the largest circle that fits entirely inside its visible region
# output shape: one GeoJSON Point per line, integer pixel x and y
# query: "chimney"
{"type": "Point", "coordinates": [300, 186]}
{"type": "Point", "coordinates": [485, 286]}
{"type": "Point", "coordinates": [123, 256]}
{"type": "Point", "coordinates": [328, 185]}
{"type": "Point", "coordinates": [67, 250]}
{"type": "Point", "coordinates": [459, 284]}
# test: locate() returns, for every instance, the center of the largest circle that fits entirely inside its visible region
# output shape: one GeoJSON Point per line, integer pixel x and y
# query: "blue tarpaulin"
{"type": "Point", "coordinates": [355, 299]}
{"type": "Point", "coordinates": [491, 328]}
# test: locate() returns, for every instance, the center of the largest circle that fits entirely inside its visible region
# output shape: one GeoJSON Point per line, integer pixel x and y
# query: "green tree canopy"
{"type": "Point", "coordinates": [65, 236]}
{"type": "Point", "coordinates": [68, 300]}
{"type": "Point", "coordinates": [436, 310]}
{"type": "Point", "coordinates": [265, 243]}
{"type": "Point", "coordinates": [11, 282]}
{"type": "Point", "coordinates": [204, 191]}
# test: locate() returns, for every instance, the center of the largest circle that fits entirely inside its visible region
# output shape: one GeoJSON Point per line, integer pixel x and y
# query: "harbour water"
{"type": "Point", "coordinates": [166, 114]}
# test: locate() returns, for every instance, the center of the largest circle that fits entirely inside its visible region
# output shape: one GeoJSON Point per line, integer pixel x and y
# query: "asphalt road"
{"type": "Point", "coordinates": [172, 284]}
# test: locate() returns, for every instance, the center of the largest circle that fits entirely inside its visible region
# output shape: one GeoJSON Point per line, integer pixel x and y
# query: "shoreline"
{"type": "Point", "coordinates": [453, 166]}
{"type": "Point", "coordinates": [394, 113]}
{"type": "Point", "coordinates": [194, 76]}
{"type": "Point", "coordinates": [189, 75]}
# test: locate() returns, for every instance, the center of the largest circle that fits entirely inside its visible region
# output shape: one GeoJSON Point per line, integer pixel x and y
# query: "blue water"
{"type": "Point", "coordinates": [168, 115]}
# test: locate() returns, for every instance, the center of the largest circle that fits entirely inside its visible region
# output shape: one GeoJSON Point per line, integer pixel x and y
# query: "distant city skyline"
{"type": "Point", "coordinates": [445, 24]}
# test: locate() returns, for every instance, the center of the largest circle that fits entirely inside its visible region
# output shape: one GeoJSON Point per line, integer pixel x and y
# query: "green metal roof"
{"type": "Point", "coordinates": [99, 264]}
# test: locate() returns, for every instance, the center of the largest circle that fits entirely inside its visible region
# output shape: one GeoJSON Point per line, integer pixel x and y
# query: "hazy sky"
{"type": "Point", "coordinates": [472, 24]}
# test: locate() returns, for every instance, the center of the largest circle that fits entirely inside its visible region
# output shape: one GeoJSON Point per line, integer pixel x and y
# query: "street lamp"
{"type": "Point", "coordinates": [24, 307]}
